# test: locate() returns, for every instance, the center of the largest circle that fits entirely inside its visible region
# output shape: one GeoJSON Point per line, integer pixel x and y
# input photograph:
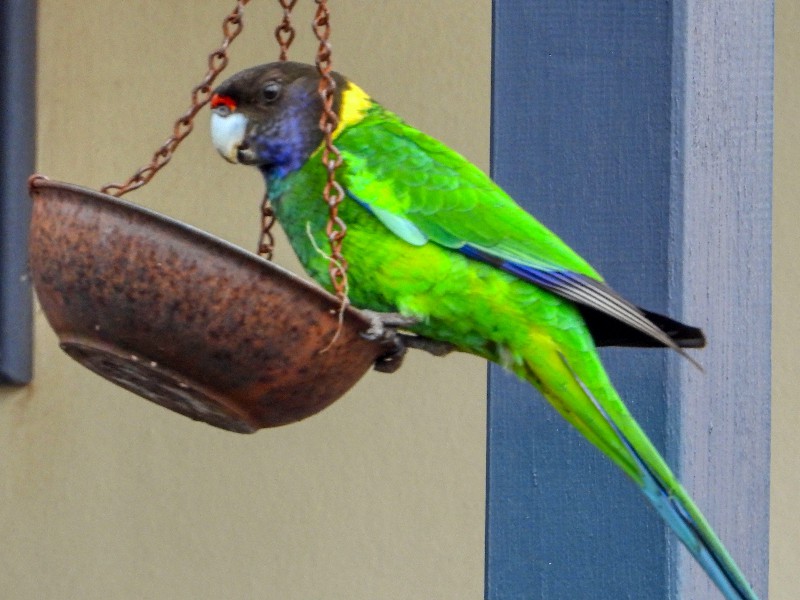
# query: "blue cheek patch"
{"type": "Point", "coordinates": [285, 148]}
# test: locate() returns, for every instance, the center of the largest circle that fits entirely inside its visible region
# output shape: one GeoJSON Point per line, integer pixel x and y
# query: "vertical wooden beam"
{"type": "Point", "coordinates": [17, 159]}
{"type": "Point", "coordinates": [721, 274]}
{"type": "Point", "coordinates": [581, 137]}
{"type": "Point", "coordinates": [593, 103]}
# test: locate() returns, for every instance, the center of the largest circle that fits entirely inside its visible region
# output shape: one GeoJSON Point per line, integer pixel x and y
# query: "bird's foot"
{"type": "Point", "coordinates": [399, 345]}
{"type": "Point", "coordinates": [392, 359]}
{"type": "Point", "coordinates": [383, 326]}
{"type": "Point", "coordinates": [383, 329]}
{"type": "Point", "coordinates": [431, 346]}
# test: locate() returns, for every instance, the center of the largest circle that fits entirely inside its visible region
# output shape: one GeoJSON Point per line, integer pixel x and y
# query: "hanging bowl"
{"type": "Point", "coordinates": [185, 319]}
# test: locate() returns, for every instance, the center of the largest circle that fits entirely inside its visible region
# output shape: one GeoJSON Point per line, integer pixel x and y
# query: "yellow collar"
{"type": "Point", "coordinates": [355, 102]}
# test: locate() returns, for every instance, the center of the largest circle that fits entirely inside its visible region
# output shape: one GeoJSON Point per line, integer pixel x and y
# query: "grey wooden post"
{"type": "Point", "coordinates": [721, 223]}
{"type": "Point", "coordinates": [641, 133]}
{"type": "Point", "coordinates": [17, 135]}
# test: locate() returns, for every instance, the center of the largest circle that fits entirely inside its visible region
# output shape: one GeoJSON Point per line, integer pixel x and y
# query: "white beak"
{"type": "Point", "coordinates": [227, 134]}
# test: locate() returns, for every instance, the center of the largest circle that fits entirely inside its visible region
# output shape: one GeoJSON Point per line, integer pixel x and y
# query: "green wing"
{"type": "Point", "coordinates": [423, 191]}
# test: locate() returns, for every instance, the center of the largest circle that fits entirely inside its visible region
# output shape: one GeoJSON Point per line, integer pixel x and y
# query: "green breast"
{"type": "Point", "coordinates": [303, 214]}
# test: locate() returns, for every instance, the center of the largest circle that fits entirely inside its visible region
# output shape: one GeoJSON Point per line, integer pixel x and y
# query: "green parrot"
{"type": "Point", "coordinates": [432, 238]}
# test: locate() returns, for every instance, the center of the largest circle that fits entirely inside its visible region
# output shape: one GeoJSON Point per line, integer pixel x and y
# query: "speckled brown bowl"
{"type": "Point", "coordinates": [187, 320]}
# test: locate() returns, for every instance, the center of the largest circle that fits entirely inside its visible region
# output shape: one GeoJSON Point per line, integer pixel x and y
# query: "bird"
{"type": "Point", "coordinates": [432, 238]}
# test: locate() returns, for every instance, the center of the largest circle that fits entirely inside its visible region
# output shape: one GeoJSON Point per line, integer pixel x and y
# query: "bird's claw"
{"type": "Point", "coordinates": [383, 329]}
{"type": "Point", "coordinates": [392, 359]}
{"type": "Point", "coordinates": [383, 326]}
{"type": "Point", "coordinates": [431, 346]}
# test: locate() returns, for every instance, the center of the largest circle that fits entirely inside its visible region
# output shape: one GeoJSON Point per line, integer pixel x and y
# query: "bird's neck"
{"type": "Point", "coordinates": [293, 149]}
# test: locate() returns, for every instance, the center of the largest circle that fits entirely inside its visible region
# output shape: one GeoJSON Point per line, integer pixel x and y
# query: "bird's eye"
{"type": "Point", "coordinates": [271, 91]}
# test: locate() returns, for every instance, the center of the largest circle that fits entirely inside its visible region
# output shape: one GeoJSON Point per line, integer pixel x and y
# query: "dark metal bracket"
{"type": "Point", "coordinates": [17, 162]}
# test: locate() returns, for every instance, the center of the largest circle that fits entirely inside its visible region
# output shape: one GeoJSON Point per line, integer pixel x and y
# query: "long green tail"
{"type": "Point", "coordinates": [676, 507]}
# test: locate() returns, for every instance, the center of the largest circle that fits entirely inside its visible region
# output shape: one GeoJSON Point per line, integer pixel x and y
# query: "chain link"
{"type": "Point", "coordinates": [284, 32]}
{"type": "Point", "coordinates": [266, 241]}
{"type": "Point", "coordinates": [331, 157]}
{"type": "Point", "coordinates": [201, 95]}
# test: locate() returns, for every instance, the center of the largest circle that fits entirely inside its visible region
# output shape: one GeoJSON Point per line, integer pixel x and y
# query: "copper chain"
{"type": "Point", "coordinates": [331, 157]}
{"type": "Point", "coordinates": [201, 95]}
{"type": "Point", "coordinates": [284, 32]}
{"type": "Point", "coordinates": [266, 240]}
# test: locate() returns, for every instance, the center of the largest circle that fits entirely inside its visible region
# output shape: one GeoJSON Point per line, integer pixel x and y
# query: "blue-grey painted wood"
{"type": "Point", "coordinates": [586, 134]}
{"type": "Point", "coordinates": [581, 137]}
{"type": "Point", "coordinates": [721, 223]}
{"type": "Point", "coordinates": [17, 159]}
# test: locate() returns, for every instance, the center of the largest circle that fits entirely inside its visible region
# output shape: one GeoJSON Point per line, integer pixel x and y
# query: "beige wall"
{"type": "Point", "coordinates": [103, 495]}
{"type": "Point", "coordinates": [785, 476]}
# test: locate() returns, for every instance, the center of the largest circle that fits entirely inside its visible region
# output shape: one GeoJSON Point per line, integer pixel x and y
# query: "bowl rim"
{"type": "Point", "coordinates": [38, 182]}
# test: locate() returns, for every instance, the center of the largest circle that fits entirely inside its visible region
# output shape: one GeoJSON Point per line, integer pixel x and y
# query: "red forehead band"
{"type": "Point", "coordinates": [219, 100]}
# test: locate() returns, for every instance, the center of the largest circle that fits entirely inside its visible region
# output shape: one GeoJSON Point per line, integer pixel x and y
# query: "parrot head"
{"type": "Point", "coordinates": [268, 116]}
